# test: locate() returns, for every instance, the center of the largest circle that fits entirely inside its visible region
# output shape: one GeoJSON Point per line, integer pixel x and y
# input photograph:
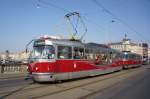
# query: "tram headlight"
{"type": "Point", "coordinates": [36, 68]}
{"type": "Point", "coordinates": [48, 68]}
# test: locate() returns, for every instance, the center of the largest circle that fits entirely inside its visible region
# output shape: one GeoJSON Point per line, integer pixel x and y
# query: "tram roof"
{"type": "Point", "coordinates": [102, 47]}
{"type": "Point", "coordinates": [74, 42]}
{"type": "Point", "coordinates": [70, 42]}
{"type": "Point", "coordinates": [97, 45]}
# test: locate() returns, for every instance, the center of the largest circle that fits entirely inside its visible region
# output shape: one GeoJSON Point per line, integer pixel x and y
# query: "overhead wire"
{"type": "Point", "coordinates": [96, 24]}
{"type": "Point", "coordinates": [120, 20]}
{"type": "Point", "coordinates": [65, 10]}
{"type": "Point", "coordinates": [93, 22]}
{"type": "Point", "coordinates": [52, 5]}
{"type": "Point", "coordinates": [84, 27]}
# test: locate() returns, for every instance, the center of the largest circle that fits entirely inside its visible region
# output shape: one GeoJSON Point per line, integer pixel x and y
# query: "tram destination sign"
{"type": "Point", "coordinates": [39, 42]}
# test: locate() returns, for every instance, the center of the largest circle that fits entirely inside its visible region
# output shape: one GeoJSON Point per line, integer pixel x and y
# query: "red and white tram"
{"type": "Point", "coordinates": [62, 59]}
{"type": "Point", "coordinates": [131, 59]}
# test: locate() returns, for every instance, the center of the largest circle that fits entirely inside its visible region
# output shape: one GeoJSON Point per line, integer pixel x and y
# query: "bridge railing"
{"type": "Point", "coordinates": [13, 67]}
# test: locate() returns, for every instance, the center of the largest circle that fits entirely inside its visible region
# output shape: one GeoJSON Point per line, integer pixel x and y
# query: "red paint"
{"type": "Point", "coordinates": [62, 66]}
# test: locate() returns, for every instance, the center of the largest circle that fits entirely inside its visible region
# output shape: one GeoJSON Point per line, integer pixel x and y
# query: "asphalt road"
{"type": "Point", "coordinates": [14, 82]}
{"type": "Point", "coordinates": [126, 84]}
{"type": "Point", "coordinates": [135, 87]}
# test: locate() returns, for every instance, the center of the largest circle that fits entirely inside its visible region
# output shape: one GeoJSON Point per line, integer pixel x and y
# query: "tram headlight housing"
{"type": "Point", "coordinates": [36, 68]}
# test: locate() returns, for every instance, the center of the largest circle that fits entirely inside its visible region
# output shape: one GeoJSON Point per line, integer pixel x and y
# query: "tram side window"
{"type": "Point", "coordinates": [64, 52]}
{"type": "Point", "coordinates": [87, 54]}
{"type": "Point", "coordinates": [131, 56]}
{"type": "Point", "coordinates": [126, 56]}
{"type": "Point", "coordinates": [139, 57]}
{"type": "Point", "coordinates": [78, 53]}
{"type": "Point", "coordinates": [136, 57]}
{"type": "Point", "coordinates": [108, 57]}
{"type": "Point", "coordinates": [93, 55]}
{"type": "Point", "coordinates": [117, 56]}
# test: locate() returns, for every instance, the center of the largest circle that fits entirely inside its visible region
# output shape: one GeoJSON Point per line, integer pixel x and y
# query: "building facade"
{"type": "Point", "coordinates": [19, 56]}
{"type": "Point", "coordinates": [127, 45]}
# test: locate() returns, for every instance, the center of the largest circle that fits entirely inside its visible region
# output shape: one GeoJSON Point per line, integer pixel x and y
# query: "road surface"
{"type": "Point", "coordinates": [126, 84]}
{"type": "Point", "coordinates": [135, 87]}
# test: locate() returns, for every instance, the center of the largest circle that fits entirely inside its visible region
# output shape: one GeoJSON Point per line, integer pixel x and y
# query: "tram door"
{"type": "Point", "coordinates": [79, 63]}
{"type": "Point", "coordinates": [64, 56]}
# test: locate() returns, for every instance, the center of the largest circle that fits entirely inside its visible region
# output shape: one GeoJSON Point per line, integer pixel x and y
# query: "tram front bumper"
{"type": "Point", "coordinates": [42, 77]}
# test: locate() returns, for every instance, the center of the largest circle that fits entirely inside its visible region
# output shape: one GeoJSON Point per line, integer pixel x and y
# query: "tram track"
{"type": "Point", "coordinates": [62, 87]}
{"type": "Point", "coordinates": [85, 84]}
{"type": "Point", "coordinates": [143, 76]}
{"type": "Point", "coordinates": [24, 88]}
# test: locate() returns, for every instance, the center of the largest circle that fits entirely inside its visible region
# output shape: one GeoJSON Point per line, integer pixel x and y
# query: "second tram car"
{"type": "Point", "coordinates": [62, 59]}
{"type": "Point", "coordinates": [131, 60]}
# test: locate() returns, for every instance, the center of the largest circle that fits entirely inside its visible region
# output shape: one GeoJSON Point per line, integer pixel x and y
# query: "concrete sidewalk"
{"type": "Point", "coordinates": [13, 75]}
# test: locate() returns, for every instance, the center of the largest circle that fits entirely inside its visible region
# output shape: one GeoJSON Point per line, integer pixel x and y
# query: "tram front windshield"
{"type": "Point", "coordinates": [43, 52]}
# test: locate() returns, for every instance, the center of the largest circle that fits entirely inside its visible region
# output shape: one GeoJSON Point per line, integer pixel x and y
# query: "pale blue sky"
{"type": "Point", "coordinates": [22, 21]}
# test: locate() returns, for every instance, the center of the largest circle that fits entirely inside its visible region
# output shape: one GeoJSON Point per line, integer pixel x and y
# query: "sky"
{"type": "Point", "coordinates": [106, 20]}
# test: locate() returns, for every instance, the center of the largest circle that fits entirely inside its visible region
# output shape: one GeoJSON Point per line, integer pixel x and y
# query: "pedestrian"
{"type": "Point", "coordinates": [2, 66]}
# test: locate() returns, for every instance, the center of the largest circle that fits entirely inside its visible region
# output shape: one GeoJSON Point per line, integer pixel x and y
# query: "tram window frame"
{"type": "Point", "coordinates": [78, 52]}
{"type": "Point", "coordinates": [116, 56]}
{"type": "Point", "coordinates": [67, 54]}
{"type": "Point", "coordinates": [89, 54]}
{"type": "Point", "coordinates": [94, 55]}
{"type": "Point", "coordinates": [126, 56]}
{"type": "Point", "coordinates": [131, 56]}
{"type": "Point", "coordinates": [86, 53]}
